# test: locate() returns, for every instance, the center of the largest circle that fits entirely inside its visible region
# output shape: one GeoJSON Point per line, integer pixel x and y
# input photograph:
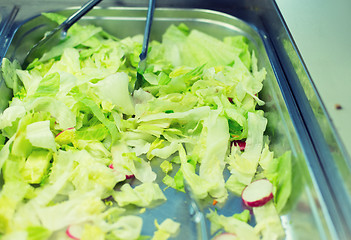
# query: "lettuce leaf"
{"type": "Point", "coordinates": [279, 172]}
{"type": "Point", "coordinates": [168, 228]}
{"type": "Point", "coordinates": [145, 195]}
{"type": "Point", "coordinates": [212, 163]}
{"type": "Point", "coordinates": [8, 73]}
{"type": "Point", "coordinates": [39, 135]}
{"type": "Point", "coordinates": [232, 225]}
{"type": "Point", "coordinates": [12, 193]}
{"type": "Point", "coordinates": [36, 166]}
{"type": "Point", "coordinates": [243, 166]}
{"type": "Point", "coordinates": [268, 223]}
{"type": "Point", "coordinates": [115, 89]}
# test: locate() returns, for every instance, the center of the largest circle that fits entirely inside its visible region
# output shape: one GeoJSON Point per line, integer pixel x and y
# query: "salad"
{"type": "Point", "coordinates": [83, 158]}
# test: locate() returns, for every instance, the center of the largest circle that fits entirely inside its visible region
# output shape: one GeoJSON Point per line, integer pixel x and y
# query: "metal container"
{"type": "Point", "coordinates": [320, 205]}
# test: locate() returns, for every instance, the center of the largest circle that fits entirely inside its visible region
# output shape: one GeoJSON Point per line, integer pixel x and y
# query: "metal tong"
{"type": "Point", "coordinates": [142, 63]}
{"type": "Point", "coordinates": [58, 34]}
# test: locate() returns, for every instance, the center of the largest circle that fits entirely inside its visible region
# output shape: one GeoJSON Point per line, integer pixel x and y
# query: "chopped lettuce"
{"type": "Point", "coordinates": [232, 225]}
{"type": "Point", "coordinates": [243, 166]}
{"type": "Point", "coordinates": [168, 228]}
{"type": "Point", "coordinates": [278, 171]}
{"type": "Point", "coordinates": [36, 166]}
{"type": "Point", "coordinates": [268, 222]}
{"type": "Point", "coordinates": [40, 135]}
{"type": "Point", "coordinates": [146, 194]}
{"type": "Point", "coordinates": [114, 88]}
{"type": "Point", "coordinates": [77, 145]}
{"type": "Point", "coordinates": [8, 73]}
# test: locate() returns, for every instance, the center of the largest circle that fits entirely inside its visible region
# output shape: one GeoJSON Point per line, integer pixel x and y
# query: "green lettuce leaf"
{"type": "Point", "coordinates": [243, 166]}
{"type": "Point", "coordinates": [36, 166]}
{"type": "Point", "coordinates": [39, 135]}
{"type": "Point", "coordinates": [8, 73]}
{"type": "Point", "coordinates": [145, 195]}
{"type": "Point", "coordinates": [279, 172]}
{"type": "Point", "coordinates": [168, 228]}
{"type": "Point", "coordinates": [126, 227]}
{"type": "Point", "coordinates": [38, 233]}
{"type": "Point", "coordinates": [212, 162]}
{"type": "Point", "coordinates": [127, 163]}
{"type": "Point", "coordinates": [268, 223]}
{"type": "Point", "coordinates": [115, 89]}
{"type": "Point", "coordinates": [12, 193]}
{"type": "Point", "coordinates": [232, 225]}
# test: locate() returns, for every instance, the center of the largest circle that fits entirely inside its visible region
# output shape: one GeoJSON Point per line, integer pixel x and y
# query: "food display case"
{"type": "Point", "coordinates": [320, 203]}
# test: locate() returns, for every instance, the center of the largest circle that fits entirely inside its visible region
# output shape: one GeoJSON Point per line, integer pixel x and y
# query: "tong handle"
{"type": "Point", "coordinates": [77, 15]}
{"type": "Point", "coordinates": [149, 18]}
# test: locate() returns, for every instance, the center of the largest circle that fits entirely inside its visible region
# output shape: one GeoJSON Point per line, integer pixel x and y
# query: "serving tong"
{"type": "Point", "coordinates": [142, 57]}
{"type": "Point", "coordinates": [195, 211]}
{"type": "Point", "coordinates": [58, 34]}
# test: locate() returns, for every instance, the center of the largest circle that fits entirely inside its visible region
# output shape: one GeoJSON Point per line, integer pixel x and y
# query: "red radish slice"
{"type": "Point", "coordinates": [257, 193]}
{"type": "Point", "coordinates": [226, 236]}
{"type": "Point", "coordinates": [74, 231]}
{"type": "Point", "coordinates": [66, 136]}
{"type": "Point", "coordinates": [240, 143]}
{"type": "Point", "coordinates": [72, 128]}
{"type": "Point", "coordinates": [130, 176]}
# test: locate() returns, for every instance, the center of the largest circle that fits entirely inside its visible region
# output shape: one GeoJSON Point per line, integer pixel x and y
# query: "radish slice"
{"type": "Point", "coordinates": [71, 128]}
{"type": "Point", "coordinates": [257, 193]}
{"type": "Point", "coordinates": [65, 136]}
{"type": "Point", "coordinates": [226, 236]}
{"type": "Point", "coordinates": [130, 176]}
{"type": "Point", "coordinates": [74, 231]}
{"type": "Point", "coordinates": [240, 143]}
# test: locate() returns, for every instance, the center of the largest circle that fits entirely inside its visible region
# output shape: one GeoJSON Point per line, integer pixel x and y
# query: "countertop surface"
{"type": "Point", "coordinates": [321, 30]}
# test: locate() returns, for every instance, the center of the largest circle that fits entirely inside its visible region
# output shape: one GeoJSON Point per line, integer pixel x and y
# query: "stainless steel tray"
{"type": "Point", "coordinates": [300, 124]}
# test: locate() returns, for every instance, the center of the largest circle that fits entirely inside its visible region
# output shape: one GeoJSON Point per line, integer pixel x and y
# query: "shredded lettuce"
{"type": "Point", "coordinates": [232, 225]}
{"type": "Point", "coordinates": [243, 166]}
{"type": "Point", "coordinates": [77, 145]}
{"type": "Point", "coordinates": [168, 228]}
{"type": "Point", "coordinates": [268, 222]}
{"type": "Point", "coordinates": [277, 170]}
{"type": "Point", "coordinates": [146, 194]}
{"type": "Point", "coordinates": [39, 135]}
{"type": "Point", "coordinates": [8, 74]}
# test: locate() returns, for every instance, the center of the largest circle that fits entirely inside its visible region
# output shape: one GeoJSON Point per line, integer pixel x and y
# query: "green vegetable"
{"type": "Point", "coordinates": [146, 194]}
{"type": "Point", "coordinates": [231, 225]}
{"type": "Point", "coordinates": [168, 228]}
{"type": "Point", "coordinates": [76, 145]}
{"type": "Point", "coordinates": [244, 165]}
{"type": "Point", "coordinates": [268, 222]}
{"type": "Point", "coordinates": [38, 233]}
{"type": "Point", "coordinates": [244, 216]}
{"type": "Point", "coordinates": [278, 171]}
{"type": "Point", "coordinates": [36, 166]}
{"type": "Point", "coordinates": [166, 166]}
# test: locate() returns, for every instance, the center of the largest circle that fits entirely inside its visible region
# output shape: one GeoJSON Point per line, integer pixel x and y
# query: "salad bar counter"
{"type": "Point", "coordinates": [225, 139]}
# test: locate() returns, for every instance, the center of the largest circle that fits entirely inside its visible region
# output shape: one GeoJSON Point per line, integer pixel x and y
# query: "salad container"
{"type": "Point", "coordinates": [320, 203]}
